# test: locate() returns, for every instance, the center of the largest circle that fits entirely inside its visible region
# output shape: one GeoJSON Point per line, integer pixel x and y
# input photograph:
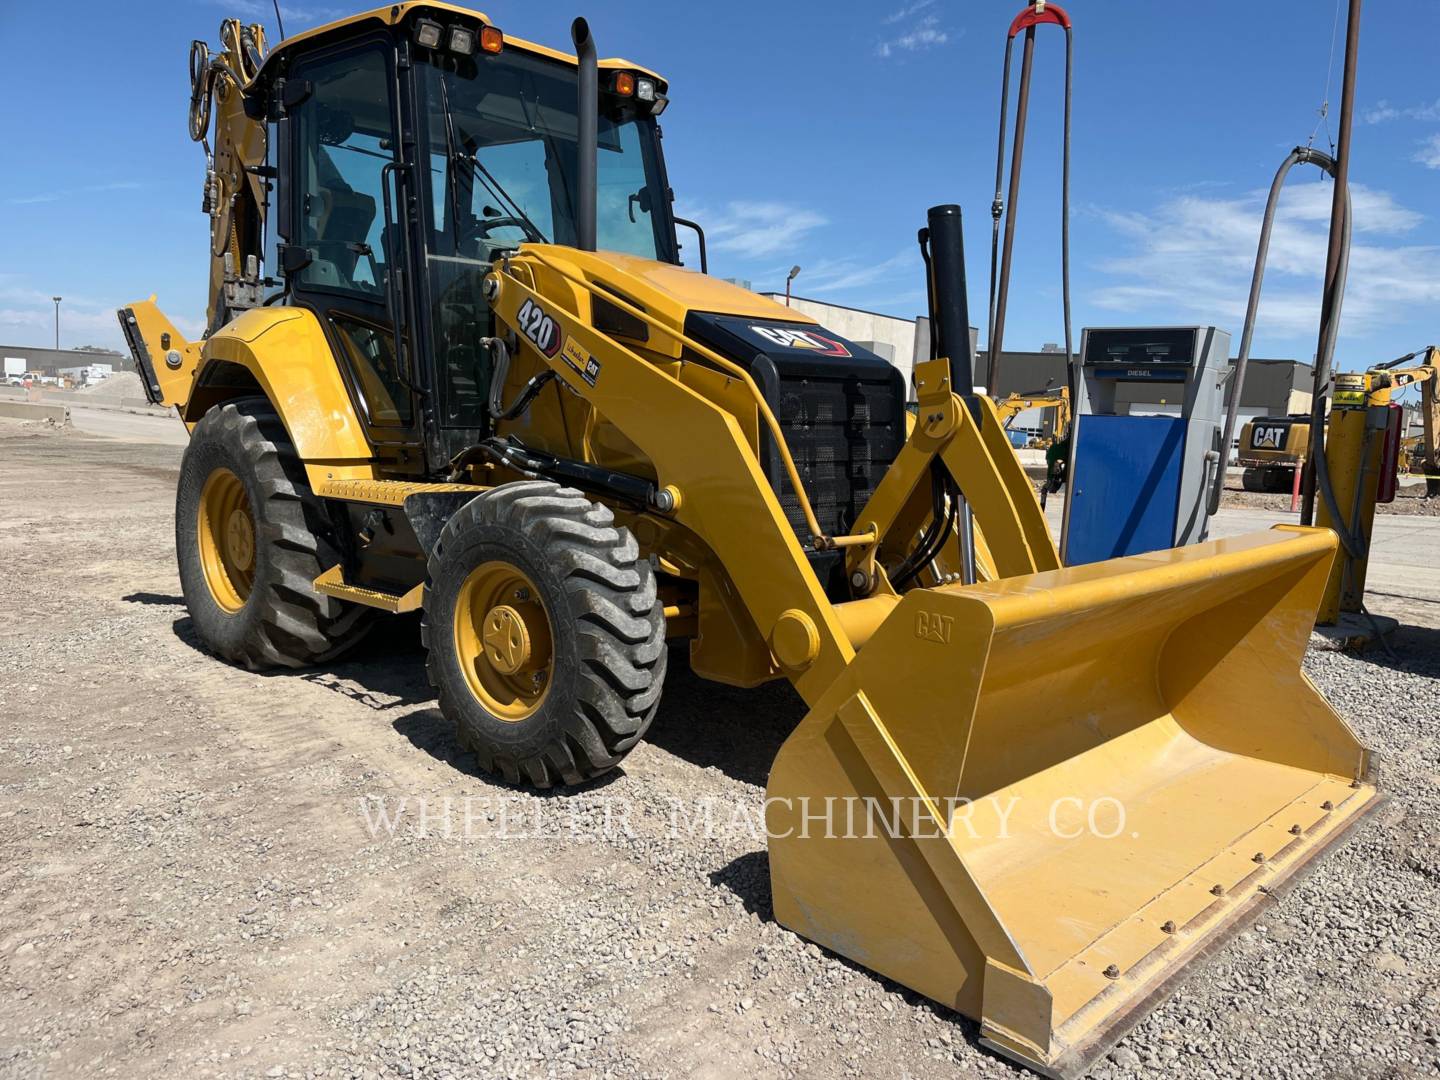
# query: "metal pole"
{"type": "Point", "coordinates": [57, 300]}
{"type": "Point", "coordinates": [1330, 298]}
{"type": "Point", "coordinates": [1022, 106]}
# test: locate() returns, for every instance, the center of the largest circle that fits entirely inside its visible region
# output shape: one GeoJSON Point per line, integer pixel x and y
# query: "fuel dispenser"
{"type": "Point", "coordinates": [1139, 483]}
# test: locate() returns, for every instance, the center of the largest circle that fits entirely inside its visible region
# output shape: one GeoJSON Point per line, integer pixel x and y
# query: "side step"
{"type": "Point", "coordinates": [332, 583]}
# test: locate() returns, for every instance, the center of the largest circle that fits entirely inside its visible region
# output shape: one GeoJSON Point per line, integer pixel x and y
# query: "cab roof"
{"type": "Point", "coordinates": [398, 13]}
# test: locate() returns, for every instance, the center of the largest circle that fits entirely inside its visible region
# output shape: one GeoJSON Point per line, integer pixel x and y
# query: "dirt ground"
{"type": "Point", "coordinates": [191, 883]}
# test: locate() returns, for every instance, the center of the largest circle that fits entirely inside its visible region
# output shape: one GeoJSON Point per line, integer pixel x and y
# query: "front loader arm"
{"type": "Point", "coordinates": [701, 452]}
{"type": "Point", "coordinates": [975, 452]}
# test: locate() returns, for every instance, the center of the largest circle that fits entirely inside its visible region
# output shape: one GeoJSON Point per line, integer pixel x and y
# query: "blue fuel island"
{"type": "Point", "coordinates": [1140, 482]}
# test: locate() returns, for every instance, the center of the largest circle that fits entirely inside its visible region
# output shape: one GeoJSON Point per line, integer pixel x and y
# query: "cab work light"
{"type": "Point", "coordinates": [427, 34]}
{"type": "Point", "coordinates": [462, 40]}
{"type": "Point", "coordinates": [624, 84]}
{"type": "Point", "coordinates": [491, 39]}
{"type": "Point", "coordinates": [645, 89]}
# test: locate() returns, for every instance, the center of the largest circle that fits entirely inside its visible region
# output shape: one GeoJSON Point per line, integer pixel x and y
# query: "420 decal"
{"type": "Point", "coordinates": [540, 328]}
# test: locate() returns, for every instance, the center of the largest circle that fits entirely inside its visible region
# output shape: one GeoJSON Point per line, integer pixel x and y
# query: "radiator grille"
{"type": "Point", "coordinates": [843, 434]}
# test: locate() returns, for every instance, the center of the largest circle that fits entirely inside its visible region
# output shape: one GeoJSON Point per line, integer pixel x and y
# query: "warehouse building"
{"type": "Point", "coordinates": [900, 341]}
{"type": "Point", "coordinates": [56, 361]}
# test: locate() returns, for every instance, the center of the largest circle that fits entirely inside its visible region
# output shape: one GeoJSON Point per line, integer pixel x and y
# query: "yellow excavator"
{"type": "Point", "coordinates": [454, 364]}
{"type": "Point", "coordinates": [1012, 405]}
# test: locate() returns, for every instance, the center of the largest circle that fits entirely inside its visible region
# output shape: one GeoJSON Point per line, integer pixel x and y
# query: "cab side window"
{"type": "Point", "coordinates": [345, 142]}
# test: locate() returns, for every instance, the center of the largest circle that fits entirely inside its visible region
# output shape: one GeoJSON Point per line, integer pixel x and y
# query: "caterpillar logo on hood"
{"type": "Point", "coordinates": [801, 339]}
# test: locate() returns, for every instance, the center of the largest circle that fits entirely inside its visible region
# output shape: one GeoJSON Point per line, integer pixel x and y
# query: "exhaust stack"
{"type": "Point", "coordinates": [949, 304]}
{"type": "Point", "coordinates": [587, 138]}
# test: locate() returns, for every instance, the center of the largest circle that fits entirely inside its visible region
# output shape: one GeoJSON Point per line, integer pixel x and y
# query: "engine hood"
{"type": "Point", "coordinates": [667, 292]}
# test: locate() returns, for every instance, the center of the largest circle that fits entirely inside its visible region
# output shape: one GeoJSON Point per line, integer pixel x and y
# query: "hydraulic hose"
{"type": "Point", "coordinates": [1353, 544]}
{"type": "Point", "coordinates": [1300, 155]}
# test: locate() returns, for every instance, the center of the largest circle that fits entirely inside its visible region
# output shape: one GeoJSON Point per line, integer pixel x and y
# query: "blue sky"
{"type": "Point", "coordinates": [818, 133]}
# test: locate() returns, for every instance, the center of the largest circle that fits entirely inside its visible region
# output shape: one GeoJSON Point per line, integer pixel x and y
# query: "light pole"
{"type": "Point", "coordinates": [794, 273]}
{"type": "Point", "coordinates": [57, 300]}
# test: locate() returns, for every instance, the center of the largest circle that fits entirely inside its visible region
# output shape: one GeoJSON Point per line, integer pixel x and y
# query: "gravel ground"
{"type": "Point", "coordinates": [189, 886]}
{"type": "Point", "coordinates": [1409, 501]}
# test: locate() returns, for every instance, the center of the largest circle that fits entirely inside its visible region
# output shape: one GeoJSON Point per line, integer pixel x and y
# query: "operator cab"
{"type": "Point", "coordinates": [412, 147]}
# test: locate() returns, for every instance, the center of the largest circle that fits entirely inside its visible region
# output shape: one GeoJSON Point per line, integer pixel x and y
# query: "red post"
{"type": "Point", "coordinates": [1295, 488]}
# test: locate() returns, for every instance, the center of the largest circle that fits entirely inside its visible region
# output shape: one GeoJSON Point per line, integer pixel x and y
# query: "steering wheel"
{"type": "Point", "coordinates": [506, 221]}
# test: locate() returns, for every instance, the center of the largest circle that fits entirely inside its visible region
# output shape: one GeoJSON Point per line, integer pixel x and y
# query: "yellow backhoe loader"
{"type": "Point", "coordinates": [454, 364]}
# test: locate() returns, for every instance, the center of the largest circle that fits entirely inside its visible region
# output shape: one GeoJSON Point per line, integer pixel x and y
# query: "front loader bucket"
{"type": "Point", "coordinates": [1048, 794]}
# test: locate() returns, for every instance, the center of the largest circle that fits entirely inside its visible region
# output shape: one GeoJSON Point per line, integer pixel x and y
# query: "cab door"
{"type": "Point", "coordinates": [345, 254]}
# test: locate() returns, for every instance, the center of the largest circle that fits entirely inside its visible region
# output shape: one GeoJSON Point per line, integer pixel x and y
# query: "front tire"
{"type": "Point", "coordinates": [545, 634]}
{"type": "Point", "coordinates": [250, 538]}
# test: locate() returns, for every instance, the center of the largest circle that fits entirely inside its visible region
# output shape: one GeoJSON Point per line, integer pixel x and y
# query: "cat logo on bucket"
{"type": "Point", "coordinates": [932, 626]}
{"type": "Point", "coordinates": [801, 339]}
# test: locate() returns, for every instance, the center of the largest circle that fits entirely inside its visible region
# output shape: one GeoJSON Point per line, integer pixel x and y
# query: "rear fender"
{"type": "Point", "coordinates": [282, 353]}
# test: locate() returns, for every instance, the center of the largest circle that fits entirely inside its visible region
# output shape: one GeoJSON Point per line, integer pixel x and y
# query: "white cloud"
{"type": "Point", "coordinates": [263, 11]}
{"type": "Point", "coordinates": [925, 33]}
{"type": "Point", "coordinates": [1382, 111]}
{"type": "Point", "coordinates": [1428, 153]}
{"type": "Point", "coordinates": [829, 276]}
{"type": "Point", "coordinates": [907, 11]}
{"type": "Point", "coordinates": [27, 317]}
{"type": "Point", "coordinates": [89, 189]}
{"type": "Point", "coordinates": [1192, 257]}
{"type": "Point", "coordinates": [756, 229]}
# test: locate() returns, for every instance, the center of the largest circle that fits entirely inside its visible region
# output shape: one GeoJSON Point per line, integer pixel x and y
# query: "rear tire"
{"type": "Point", "coordinates": [569, 710]}
{"type": "Point", "coordinates": [247, 578]}
{"type": "Point", "coordinates": [1268, 479]}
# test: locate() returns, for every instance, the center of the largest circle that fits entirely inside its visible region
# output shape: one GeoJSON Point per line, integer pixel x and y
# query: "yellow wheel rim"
{"type": "Point", "coordinates": [503, 641]}
{"type": "Point", "coordinates": [226, 529]}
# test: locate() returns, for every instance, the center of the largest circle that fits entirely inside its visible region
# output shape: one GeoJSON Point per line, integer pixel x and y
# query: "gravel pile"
{"type": "Point", "coordinates": [123, 384]}
{"type": "Point", "coordinates": [190, 884]}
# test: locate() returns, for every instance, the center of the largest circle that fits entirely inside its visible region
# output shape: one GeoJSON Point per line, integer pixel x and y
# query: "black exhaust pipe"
{"type": "Point", "coordinates": [942, 246]}
{"type": "Point", "coordinates": [588, 135]}
{"type": "Point", "coordinates": [949, 303]}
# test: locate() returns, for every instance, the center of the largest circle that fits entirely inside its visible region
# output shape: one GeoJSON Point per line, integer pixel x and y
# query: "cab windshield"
{"type": "Point", "coordinates": [501, 148]}
{"type": "Point", "coordinates": [503, 160]}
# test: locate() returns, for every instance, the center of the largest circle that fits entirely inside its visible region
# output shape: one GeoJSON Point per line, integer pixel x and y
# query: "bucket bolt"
{"type": "Point", "coordinates": [1294, 830]}
{"type": "Point", "coordinates": [1327, 806]}
{"type": "Point", "coordinates": [1168, 926]}
{"type": "Point", "coordinates": [1112, 972]}
{"type": "Point", "coordinates": [1259, 856]}
{"type": "Point", "coordinates": [1217, 890]}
